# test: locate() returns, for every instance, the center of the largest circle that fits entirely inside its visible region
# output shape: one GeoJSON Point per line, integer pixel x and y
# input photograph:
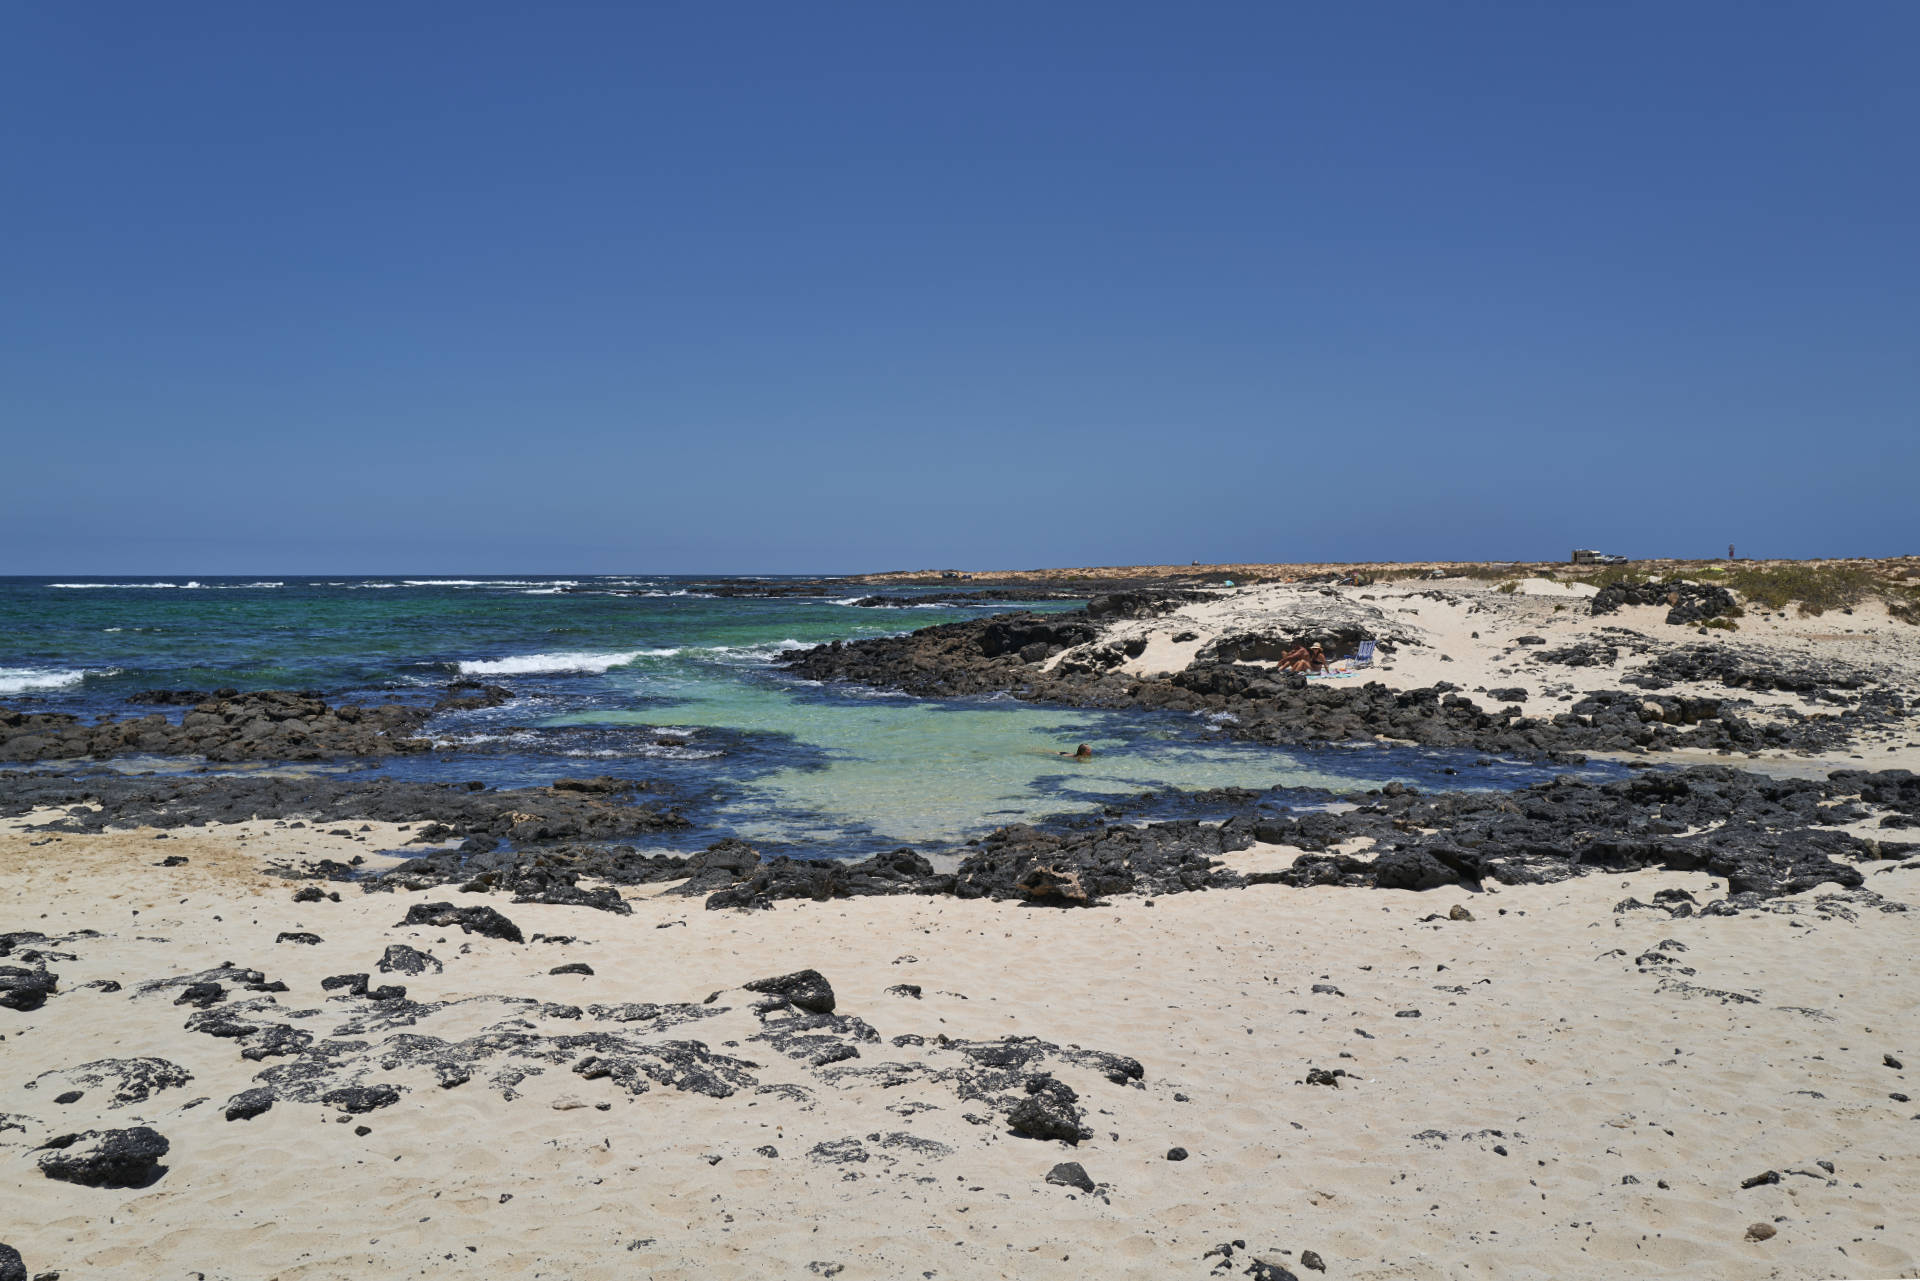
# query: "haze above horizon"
{"type": "Point", "coordinates": [759, 288]}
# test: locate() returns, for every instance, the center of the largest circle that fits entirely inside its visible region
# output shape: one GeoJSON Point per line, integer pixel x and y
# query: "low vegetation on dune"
{"type": "Point", "coordinates": [1814, 586]}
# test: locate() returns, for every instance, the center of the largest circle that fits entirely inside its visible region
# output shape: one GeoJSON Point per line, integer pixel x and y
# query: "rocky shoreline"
{"type": "Point", "coordinates": [1082, 659]}
{"type": "Point", "coordinates": [1765, 837]}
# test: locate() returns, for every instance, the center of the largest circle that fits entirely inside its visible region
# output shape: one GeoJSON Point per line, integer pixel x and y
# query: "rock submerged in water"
{"type": "Point", "coordinates": [227, 726]}
{"type": "Point", "coordinates": [127, 1158]}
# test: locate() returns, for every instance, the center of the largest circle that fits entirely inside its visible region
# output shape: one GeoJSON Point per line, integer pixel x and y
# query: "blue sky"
{"type": "Point", "coordinates": [743, 287]}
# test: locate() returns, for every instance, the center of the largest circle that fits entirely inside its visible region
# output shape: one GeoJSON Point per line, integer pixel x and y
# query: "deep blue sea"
{"type": "Point", "coordinates": [603, 667]}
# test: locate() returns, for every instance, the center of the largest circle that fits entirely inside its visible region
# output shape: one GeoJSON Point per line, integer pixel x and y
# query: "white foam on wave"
{"type": "Point", "coordinates": [20, 680]}
{"type": "Point", "coordinates": [544, 745]}
{"type": "Point", "coordinates": [489, 582]}
{"type": "Point", "coordinates": [192, 585]}
{"type": "Point", "coordinates": [855, 601]}
{"type": "Point", "coordinates": [573, 661]}
{"type": "Point", "coordinates": [762, 652]}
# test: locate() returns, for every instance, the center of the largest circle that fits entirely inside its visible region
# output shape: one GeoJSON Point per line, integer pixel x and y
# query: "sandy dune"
{"type": "Point", "coordinates": [1469, 633]}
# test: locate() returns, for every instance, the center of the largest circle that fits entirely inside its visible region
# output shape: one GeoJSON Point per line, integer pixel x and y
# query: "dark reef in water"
{"type": "Point", "coordinates": [226, 725]}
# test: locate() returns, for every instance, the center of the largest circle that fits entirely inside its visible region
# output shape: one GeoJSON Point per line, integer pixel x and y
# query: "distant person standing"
{"type": "Point", "coordinates": [1730, 555]}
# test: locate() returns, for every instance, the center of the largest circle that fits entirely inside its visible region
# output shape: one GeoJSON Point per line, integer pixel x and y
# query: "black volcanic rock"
{"type": "Point", "coordinates": [1070, 1174]}
{"type": "Point", "coordinates": [127, 1158]}
{"type": "Point", "coordinates": [26, 990]}
{"type": "Point", "coordinates": [359, 1099]}
{"type": "Point", "coordinates": [804, 989]}
{"type": "Point", "coordinates": [230, 726]}
{"type": "Point", "coordinates": [1686, 602]}
{"type": "Point", "coordinates": [471, 920]}
{"type": "Point", "coordinates": [1051, 1110]}
{"type": "Point", "coordinates": [248, 1104]}
{"type": "Point", "coordinates": [895, 872]}
{"type": "Point", "coordinates": [522, 815]}
{"type": "Point", "coordinates": [401, 959]}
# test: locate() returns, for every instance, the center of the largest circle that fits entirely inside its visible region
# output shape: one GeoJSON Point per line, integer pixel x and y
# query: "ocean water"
{"type": "Point", "coordinates": [649, 677]}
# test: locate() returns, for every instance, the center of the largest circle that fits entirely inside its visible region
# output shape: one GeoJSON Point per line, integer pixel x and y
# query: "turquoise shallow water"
{"type": "Point", "coordinates": [648, 677]}
{"type": "Point", "coordinates": [917, 771]}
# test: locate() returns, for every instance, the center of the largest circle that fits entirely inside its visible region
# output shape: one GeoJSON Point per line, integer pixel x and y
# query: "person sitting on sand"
{"type": "Point", "coordinates": [1081, 753]}
{"type": "Point", "coordinates": [1302, 658]}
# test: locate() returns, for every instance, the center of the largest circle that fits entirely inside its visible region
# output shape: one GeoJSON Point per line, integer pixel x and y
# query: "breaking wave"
{"type": "Point", "coordinates": [21, 680]}
{"type": "Point", "coordinates": [577, 661]}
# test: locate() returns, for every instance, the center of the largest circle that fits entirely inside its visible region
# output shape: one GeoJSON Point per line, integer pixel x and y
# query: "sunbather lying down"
{"type": "Point", "coordinates": [1302, 658]}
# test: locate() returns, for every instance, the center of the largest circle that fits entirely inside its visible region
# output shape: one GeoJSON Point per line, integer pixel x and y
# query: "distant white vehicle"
{"type": "Point", "coordinates": [1588, 556]}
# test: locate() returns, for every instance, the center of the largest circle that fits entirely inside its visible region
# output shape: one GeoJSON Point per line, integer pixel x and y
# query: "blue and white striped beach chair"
{"type": "Point", "coordinates": [1363, 657]}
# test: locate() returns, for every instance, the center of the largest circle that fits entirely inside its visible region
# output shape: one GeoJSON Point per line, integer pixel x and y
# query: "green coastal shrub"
{"type": "Point", "coordinates": [1818, 587]}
